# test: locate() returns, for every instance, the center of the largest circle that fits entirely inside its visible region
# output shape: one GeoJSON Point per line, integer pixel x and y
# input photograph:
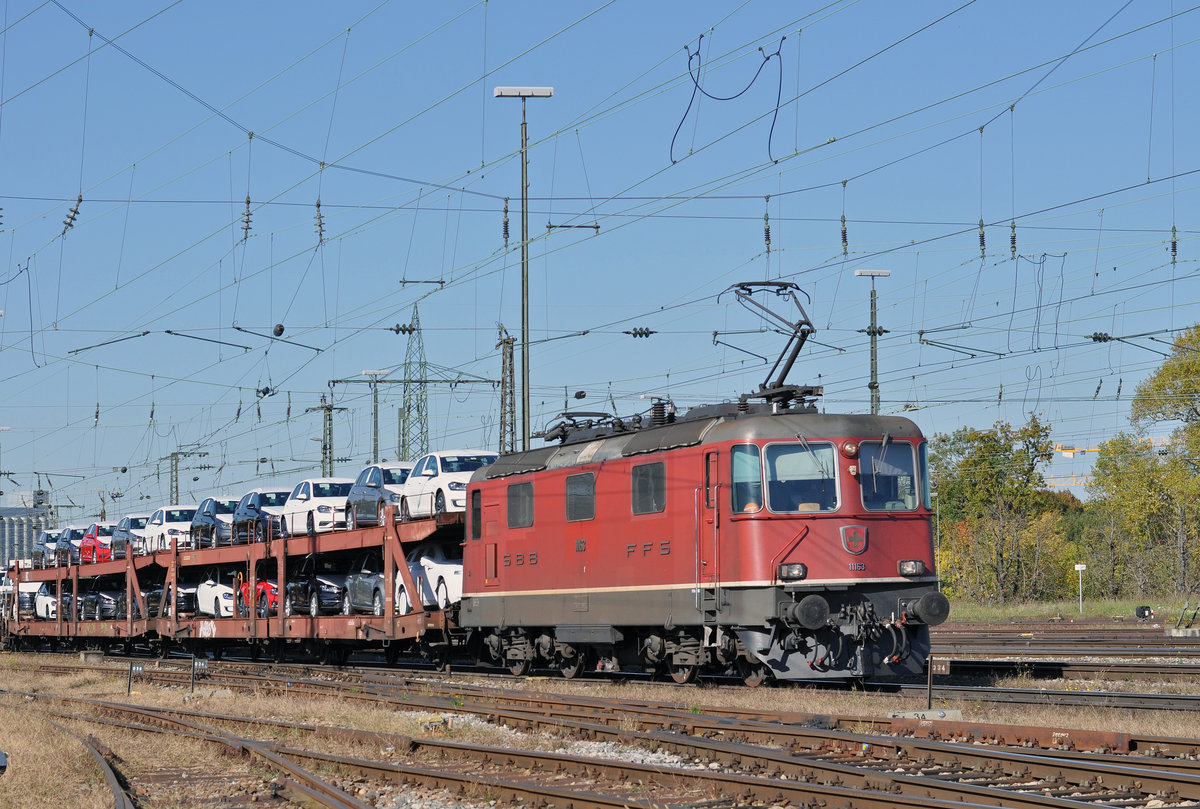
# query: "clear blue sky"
{"type": "Point", "coordinates": [871, 110]}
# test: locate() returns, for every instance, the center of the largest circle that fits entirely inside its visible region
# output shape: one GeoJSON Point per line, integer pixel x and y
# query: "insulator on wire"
{"type": "Point", "coordinates": [982, 241]}
{"type": "Point", "coordinates": [1174, 243]}
{"type": "Point", "coordinates": [1012, 239]}
{"type": "Point", "coordinates": [1099, 385]}
{"type": "Point", "coordinates": [238, 415]}
{"type": "Point", "coordinates": [506, 221]}
{"type": "Point", "coordinates": [96, 420]}
{"type": "Point", "coordinates": [641, 332]}
{"type": "Point", "coordinates": [320, 222]}
{"type": "Point", "coordinates": [246, 220]}
{"type": "Point", "coordinates": [845, 240]}
{"type": "Point", "coordinates": [1120, 382]}
{"type": "Point", "coordinates": [69, 222]}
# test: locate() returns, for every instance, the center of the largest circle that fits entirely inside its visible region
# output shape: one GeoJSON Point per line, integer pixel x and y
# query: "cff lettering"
{"type": "Point", "coordinates": [647, 548]}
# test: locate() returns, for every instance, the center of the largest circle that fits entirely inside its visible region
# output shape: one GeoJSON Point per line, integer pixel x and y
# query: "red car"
{"type": "Point", "coordinates": [266, 600]}
{"type": "Point", "coordinates": [97, 543]}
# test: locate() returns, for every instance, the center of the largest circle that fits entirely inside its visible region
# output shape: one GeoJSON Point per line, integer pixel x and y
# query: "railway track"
{"type": "Point", "coordinates": [726, 757]}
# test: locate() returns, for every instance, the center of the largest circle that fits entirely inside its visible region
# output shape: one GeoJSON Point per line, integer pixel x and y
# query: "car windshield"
{"type": "Point", "coordinates": [465, 463]}
{"type": "Point", "coordinates": [104, 531]}
{"type": "Point", "coordinates": [225, 506]}
{"type": "Point", "coordinates": [73, 534]}
{"type": "Point", "coordinates": [331, 489]}
{"type": "Point", "coordinates": [181, 514]}
{"type": "Point", "coordinates": [325, 567]}
{"type": "Point", "coordinates": [274, 498]}
{"type": "Point", "coordinates": [394, 477]}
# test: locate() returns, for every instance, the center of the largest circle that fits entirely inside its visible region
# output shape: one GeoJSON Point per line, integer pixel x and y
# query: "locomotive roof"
{"type": "Point", "coordinates": [593, 446]}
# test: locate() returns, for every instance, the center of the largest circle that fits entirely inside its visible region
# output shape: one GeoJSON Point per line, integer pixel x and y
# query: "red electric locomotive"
{"type": "Point", "coordinates": [761, 538]}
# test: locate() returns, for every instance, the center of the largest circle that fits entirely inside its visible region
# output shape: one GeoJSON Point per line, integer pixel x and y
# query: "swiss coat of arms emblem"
{"type": "Point", "coordinates": [854, 538]}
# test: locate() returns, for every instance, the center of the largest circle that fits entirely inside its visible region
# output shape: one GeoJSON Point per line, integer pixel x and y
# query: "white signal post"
{"type": "Point", "coordinates": [1079, 569]}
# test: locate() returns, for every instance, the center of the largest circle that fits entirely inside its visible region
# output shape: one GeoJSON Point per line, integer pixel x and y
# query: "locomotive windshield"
{"type": "Point", "coordinates": [887, 472]}
{"type": "Point", "coordinates": [801, 477]}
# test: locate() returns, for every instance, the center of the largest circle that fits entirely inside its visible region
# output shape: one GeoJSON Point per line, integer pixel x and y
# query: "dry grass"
{"type": "Point", "coordinates": [46, 767]}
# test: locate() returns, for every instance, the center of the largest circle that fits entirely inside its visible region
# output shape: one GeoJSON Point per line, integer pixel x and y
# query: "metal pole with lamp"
{"type": "Point", "coordinates": [1079, 569]}
{"type": "Point", "coordinates": [524, 93]}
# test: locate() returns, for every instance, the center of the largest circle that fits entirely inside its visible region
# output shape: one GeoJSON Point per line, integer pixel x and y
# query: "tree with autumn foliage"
{"type": "Point", "coordinates": [997, 544]}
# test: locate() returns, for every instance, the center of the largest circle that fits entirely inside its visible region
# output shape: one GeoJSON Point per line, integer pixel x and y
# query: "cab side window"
{"type": "Point", "coordinates": [649, 488]}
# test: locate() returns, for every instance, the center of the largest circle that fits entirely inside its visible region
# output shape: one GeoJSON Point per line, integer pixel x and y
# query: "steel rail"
{"type": "Point", "coordinates": [837, 784]}
{"type": "Point", "coordinates": [316, 788]}
{"type": "Point", "coordinates": [121, 797]}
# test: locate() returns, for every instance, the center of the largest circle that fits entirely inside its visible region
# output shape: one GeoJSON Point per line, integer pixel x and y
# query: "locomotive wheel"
{"type": "Point", "coordinates": [682, 674]}
{"type": "Point", "coordinates": [571, 668]}
{"type": "Point", "coordinates": [753, 672]}
{"type": "Point", "coordinates": [519, 668]}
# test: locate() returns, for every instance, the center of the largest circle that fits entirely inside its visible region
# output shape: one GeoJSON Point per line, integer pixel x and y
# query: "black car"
{"type": "Point", "coordinates": [252, 518]}
{"type": "Point", "coordinates": [212, 525]}
{"type": "Point", "coordinates": [102, 600]}
{"type": "Point", "coordinates": [315, 587]}
{"type": "Point", "coordinates": [375, 488]}
{"type": "Point", "coordinates": [67, 548]}
{"type": "Point", "coordinates": [185, 602]}
{"type": "Point", "coordinates": [364, 586]}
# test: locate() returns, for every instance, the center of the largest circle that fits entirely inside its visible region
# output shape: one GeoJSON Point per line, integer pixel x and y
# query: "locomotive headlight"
{"type": "Point", "coordinates": [849, 449]}
{"type": "Point", "coordinates": [793, 571]}
{"type": "Point", "coordinates": [912, 567]}
{"type": "Point", "coordinates": [456, 486]}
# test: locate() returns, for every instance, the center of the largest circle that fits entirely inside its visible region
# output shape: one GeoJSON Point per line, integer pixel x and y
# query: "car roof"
{"type": "Point", "coordinates": [324, 480]}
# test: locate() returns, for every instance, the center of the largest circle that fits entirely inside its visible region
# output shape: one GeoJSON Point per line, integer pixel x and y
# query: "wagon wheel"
{"type": "Point", "coordinates": [682, 673]}
{"type": "Point", "coordinates": [519, 668]}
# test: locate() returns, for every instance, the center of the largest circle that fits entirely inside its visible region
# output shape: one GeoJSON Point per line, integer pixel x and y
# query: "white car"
{"type": "Point", "coordinates": [45, 603]}
{"type": "Point", "coordinates": [316, 505]}
{"type": "Point", "coordinates": [214, 598]}
{"type": "Point", "coordinates": [437, 572]}
{"type": "Point", "coordinates": [438, 482]}
{"type": "Point", "coordinates": [169, 526]}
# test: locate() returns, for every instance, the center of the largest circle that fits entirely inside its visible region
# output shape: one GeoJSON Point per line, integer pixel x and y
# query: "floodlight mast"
{"type": "Point", "coordinates": [524, 93]}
